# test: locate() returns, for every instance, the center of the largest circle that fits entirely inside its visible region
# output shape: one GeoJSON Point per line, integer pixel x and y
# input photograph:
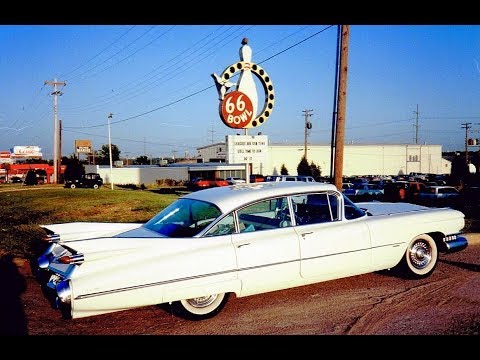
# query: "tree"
{"type": "Point", "coordinates": [105, 154]}
{"type": "Point", "coordinates": [74, 169]}
{"type": "Point", "coordinates": [459, 170]}
{"type": "Point", "coordinates": [31, 178]}
{"type": "Point", "coordinates": [303, 168]}
{"type": "Point", "coordinates": [315, 170]}
{"type": "Point", "coordinates": [142, 160]}
{"type": "Point", "coordinates": [283, 170]}
{"type": "Point", "coordinates": [7, 167]}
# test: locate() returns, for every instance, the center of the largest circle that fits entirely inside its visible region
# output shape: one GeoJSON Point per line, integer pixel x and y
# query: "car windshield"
{"type": "Point", "coordinates": [183, 218]}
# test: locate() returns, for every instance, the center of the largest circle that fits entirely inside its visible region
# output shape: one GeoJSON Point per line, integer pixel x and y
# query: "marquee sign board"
{"type": "Point", "coordinates": [26, 151]}
{"type": "Point", "coordinates": [83, 146]}
{"type": "Point", "coordinates": [247, 148]}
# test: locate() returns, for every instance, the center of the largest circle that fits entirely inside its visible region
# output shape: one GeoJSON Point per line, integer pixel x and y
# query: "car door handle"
{"type": "Point", "coordinates": [307, 233]}
{"type": "Point", "coordinates": [239, 246]}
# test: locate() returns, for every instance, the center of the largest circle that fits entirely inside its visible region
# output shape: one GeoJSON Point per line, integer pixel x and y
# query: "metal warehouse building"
{"type": "Point", "coordinates": [376, 159]}
{"type": "Point", "coordinates": [380, 159]}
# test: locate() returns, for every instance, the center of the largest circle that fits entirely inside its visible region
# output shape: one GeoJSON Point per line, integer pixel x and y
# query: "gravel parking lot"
{"type": "Point", "coordinates": [446, 303]}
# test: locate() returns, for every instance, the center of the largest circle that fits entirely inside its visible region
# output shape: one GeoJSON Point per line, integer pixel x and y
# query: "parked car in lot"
{"type": "Point", "coordinates": [401, 190]}
{"type": "Point", "coordinates": [15, 180]}
{"type": "Point", "coordinates": [201, 183]}
{"type": "Point", "coordinates": [439, 196]}
{"type": "Point", "coordinates": [88, 180]}
{"type": "Point", "coordinates": [395, 191]}
{"type": "Point", "coordinates": [235, 180]}
{"type": "Point", "coordinates": [304, 178]}
{"type": "Point", "coordinates": [254, 178]}
{"type": "Point", "coordinates": [245, 239]}
{"type": "Point", "coordinates": [347, 185]}
{"type": "Point", "coordinates": [364, 192]}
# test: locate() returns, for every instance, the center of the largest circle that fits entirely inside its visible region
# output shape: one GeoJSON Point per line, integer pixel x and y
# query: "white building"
{"type": "Point", "coordinates": [212, 153]}
{"type": "Point", "coordinates": [215, 161]}
{"type": "Point", "coordinates": [378, 159]}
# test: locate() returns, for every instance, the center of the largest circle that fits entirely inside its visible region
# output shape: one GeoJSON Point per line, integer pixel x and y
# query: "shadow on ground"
{"type": "Point", "coordinates": [12, 285]}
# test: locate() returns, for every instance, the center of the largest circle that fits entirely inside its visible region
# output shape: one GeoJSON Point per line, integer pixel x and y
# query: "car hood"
{"type": "Point", "coordinates": [88, 230]}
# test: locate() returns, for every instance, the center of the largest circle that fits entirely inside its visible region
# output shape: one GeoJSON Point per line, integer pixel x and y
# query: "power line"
{"type": "Point", "coordinates": [97, 55]}
{"type": "Point", "coordinates": [200, 91]}
{"type": "Point", "coordinates": [132, 140]}
{"type": "Point", "coordinates": [112, 56]}
{"type": "Point", "coordinates": [128, 56]}
{"type": "Point", "coordinates": [134, 91]}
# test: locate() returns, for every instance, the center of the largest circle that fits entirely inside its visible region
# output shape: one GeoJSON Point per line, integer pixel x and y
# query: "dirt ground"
{"type": "Point", "coordinates": [446, 303]}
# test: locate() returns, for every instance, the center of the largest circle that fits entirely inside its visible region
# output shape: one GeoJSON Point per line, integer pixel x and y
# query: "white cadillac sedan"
{"type": "Point", "coordinates": [242, 239]}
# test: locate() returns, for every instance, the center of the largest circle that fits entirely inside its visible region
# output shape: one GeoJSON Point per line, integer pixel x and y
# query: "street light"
{"type": "Point", "coordinates": [110, 150]}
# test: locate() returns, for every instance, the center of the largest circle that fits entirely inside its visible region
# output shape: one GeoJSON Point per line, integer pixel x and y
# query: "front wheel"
{"type": "Point", "coordinates": [73, 186]}
{"type": "Point", "coordinates": [420, 258]}
{"type": "Point", "coordinates": [95, 186]}
{"type": "Point", "coordinates": [200, 308]}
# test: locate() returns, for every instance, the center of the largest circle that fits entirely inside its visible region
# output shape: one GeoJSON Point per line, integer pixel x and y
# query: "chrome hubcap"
{"type": "Point", "coordinates": [200, 302]}
{"type": "Point", "coordinates": [420, 255]}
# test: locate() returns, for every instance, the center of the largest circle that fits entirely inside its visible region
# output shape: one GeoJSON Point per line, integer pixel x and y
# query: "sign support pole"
{"type": "Point", "coordinates": [247, 166]}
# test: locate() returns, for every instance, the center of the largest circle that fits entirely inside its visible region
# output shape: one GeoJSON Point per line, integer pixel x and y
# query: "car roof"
{"type": "Point", "coordinates": [228, 198]}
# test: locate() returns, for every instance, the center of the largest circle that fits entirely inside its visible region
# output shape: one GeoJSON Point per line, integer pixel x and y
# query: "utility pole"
{"type": "Point", "coordinates": [308, 126]}
{"type": "Point", "coordinates": [110, 115]}
{"type": "Point", "coordinates": [59, 148]}
{"type": "Point", "coordinates": [55, 94]}
{"type": "Point", "coordinates": [466, 126]}
{"type": "Point", "coordinates": [341, 109]}
{"type": "Point", "coordinates": [416, 127]}
{"type": "Point", "coordinates": [335, 98]}
{"type": "Point", "coordinates": [212, 132]}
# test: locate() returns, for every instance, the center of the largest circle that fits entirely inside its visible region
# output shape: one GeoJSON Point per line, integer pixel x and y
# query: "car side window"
{"type": "Point", "coordinates": [265, 215]}
{"type": "Point", "coordinates": [223, 227]}
{"type": "Point", "coordinates": [315, 208]}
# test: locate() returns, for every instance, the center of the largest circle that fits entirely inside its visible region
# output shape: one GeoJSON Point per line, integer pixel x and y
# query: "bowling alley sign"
{"type": "Point", "coordinates": [238, 108]}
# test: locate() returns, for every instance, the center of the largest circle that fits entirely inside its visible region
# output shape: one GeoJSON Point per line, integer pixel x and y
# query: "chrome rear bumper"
{"type": "Point", "coordinates": [457, 244]}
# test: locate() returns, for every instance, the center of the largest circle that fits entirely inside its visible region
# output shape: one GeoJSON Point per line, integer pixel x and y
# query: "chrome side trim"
{"type": "Point", "coordinates": [107, 292]}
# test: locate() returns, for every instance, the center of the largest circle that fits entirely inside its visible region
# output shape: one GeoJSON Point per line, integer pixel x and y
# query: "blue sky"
{"type": "Point", "coordinates": [156, 80]}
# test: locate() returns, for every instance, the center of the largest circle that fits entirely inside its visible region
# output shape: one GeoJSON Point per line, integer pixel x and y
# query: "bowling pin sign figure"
{"type": "Point", "coordinates": [246, 83]}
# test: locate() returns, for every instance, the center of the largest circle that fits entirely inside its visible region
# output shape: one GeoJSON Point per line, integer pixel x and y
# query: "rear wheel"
{"type": "Point", "coordinates": [200, 308]}
{"type": "Point", "coordinates": [420, 258]}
